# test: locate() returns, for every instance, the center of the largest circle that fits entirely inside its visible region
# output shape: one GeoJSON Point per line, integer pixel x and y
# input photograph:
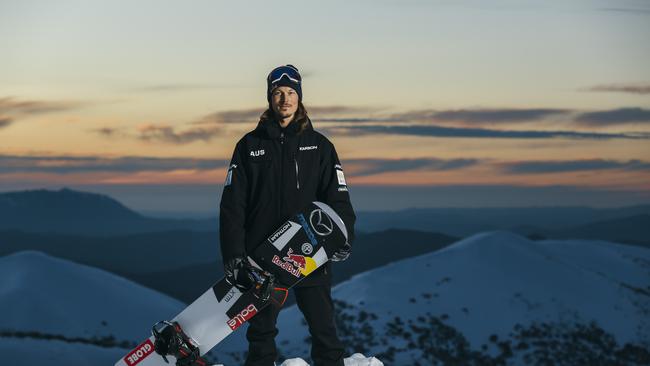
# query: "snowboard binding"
{"type": "Point", "coordinates": [245, 277]}
{"type": "Point", "coordinates": [266, 288]}
{"type": "Point", "coordinates": [170, 340]}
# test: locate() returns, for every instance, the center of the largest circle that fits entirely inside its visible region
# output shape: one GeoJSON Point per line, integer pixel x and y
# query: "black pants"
{"type": "Point", "coordinates": [315, 302]}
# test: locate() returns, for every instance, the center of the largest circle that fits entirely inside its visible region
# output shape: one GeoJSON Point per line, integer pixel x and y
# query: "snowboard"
{"type": "Point", "coordinates": [298, 247]}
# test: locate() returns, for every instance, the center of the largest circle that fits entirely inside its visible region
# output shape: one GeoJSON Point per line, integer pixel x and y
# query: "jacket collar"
{"type": "Point", "coordinates": [272, 128]}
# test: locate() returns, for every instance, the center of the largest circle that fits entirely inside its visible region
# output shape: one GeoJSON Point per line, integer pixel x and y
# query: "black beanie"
{"type": "Point", "coordinates": [286, 75]}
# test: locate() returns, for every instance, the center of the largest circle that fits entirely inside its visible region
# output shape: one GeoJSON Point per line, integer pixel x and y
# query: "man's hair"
{"type": "Point", "coordinates": [300, 117]}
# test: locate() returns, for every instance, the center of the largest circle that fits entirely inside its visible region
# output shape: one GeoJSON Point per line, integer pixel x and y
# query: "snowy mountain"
{"type": "Point", "coordinates": [53, 296]}
{"type": "Point", "coordinates": [495, 296]}
{"type": "Point", "coordinates": [58, 312]}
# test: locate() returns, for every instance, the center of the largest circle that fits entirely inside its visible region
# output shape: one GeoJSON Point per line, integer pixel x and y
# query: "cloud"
{"type": "Point", "coordinates": [473, 116]}
{"type": "Point", "coordinates": [231, 116]}
{"type": "Point", "coordinates": [614, 117]}
{"type": "Point", "coordinates": [252, 115]}
{"type": "Point", "coordinates": [10, 105]}
{"type": "Point", "coordinates": [181, 87]}
{"type": "Point", "coordinates": [355, 120]}
{"type": "Point", "coordinates": [109, 131]}
{"type": "Point", "coordinates": [5, 122]}
{"type": "Point", "coordinates": [12, 109]}
{"type": "Point", "coordinates": [622, 88]}
{"type": "Point", "coordinates": [545, 167]}
{"type": "Point", "coordinates": [502, 115]}
{"type": "Point", "coordinates": [167, 134]}
{"type": "Point", "coordinates": [329, 110]}
{"type": "Point", "coordinates": [63, 164]}
{"type": "Point", "coordinates": [441, 131]}
{"type": "Point", "coordinates": [364, 167]}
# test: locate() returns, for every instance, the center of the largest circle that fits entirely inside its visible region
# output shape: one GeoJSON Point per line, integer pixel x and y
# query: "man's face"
{"type": "Point", "coordinates": [284, 101]}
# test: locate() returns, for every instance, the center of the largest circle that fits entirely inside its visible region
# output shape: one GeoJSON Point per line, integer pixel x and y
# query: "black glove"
{"type": "Point", "coordinates": [342, 253]}
{"type": "Point", "coordinates": [238, 273]}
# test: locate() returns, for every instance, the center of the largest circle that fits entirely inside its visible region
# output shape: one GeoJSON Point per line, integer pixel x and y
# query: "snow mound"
{"type": "Point", "coordinates": [483, 289]}
{"type": "Point", "coordinates": [294, 362]}
{"type": "Point", "coordinates": [359, 359]}
{"type": "Point", "coordinates": [356, 359]}
{"type": "Point", "coordinates": [59, 297]}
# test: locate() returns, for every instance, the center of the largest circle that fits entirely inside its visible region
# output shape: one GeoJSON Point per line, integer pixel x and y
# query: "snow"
{"type": "Point", "coordinates": [490, 282]}
{"type": "Point", "coordinates": [359, 359]}
{"type": "Point", "coordinates": [55, 296]}
{"type": "Point", "coordinates": [356, 359]}
{"type": "Point", "coordinates": [481, 286]}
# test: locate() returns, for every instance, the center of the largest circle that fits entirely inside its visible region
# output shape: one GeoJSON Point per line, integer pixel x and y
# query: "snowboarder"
{"type": "Point", "coordinates": [276, 170]}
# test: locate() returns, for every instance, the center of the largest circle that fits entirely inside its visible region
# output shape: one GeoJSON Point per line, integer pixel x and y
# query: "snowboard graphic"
{"type": "Point", "coordinates": [298, 247]}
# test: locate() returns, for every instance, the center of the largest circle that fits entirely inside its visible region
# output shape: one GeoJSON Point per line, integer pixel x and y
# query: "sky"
{"type": "Point", "coordinates": [429, 103]}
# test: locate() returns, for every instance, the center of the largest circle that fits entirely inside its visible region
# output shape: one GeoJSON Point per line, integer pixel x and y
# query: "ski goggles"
{"type": "Point", "coordinates": [287, 71]}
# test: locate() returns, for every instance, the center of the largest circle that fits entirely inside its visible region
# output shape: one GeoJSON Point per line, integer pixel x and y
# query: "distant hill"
{"type": "Point", "coordinates": [121, 254]}
{"type": "Point", "coordinates": [371, 250]}
{"type": "Point", "coordinates": [633, 230]}
{"type": "Point", "coordinates": [74, 212]}
{"type": "Point", "coordinates": [630, 229]}
{"type": "Point", "coordinates": [165, 260]}
{"type": "Point", "coordinates": [462, 222]}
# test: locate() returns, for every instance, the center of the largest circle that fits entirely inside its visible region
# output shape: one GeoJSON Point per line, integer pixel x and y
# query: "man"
{"type": "Point", "coordinates": [276, 170]}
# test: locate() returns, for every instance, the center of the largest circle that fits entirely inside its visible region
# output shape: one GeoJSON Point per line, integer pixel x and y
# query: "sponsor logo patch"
{"type": "Point", "coordinates": [139, 353]}
{"type": "Point", "coordinates": [228, 178]}
{"type": "Point", "coordinates": [295, 264]}
{"type": "Point", "coordinates": [229, 295]}
{"type": "Point", "coordinates": [307, 249]}
{"type": "Point", "coordinates": [296, 259]}
{"type": "Point", "coordinates": [279, 232]}
{"type": "Point", "coordinates": [286, 266]}
{"type": "Point", "coordinates": [304, 148]}
{"type": "Point", "coordinates": [341, 177]}
{"type": "Point", "coordinates": [242, 317]}
{"type": "Point", "coordinates": [229, 175]}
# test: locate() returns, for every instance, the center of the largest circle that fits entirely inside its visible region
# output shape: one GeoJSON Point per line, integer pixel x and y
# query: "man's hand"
{"type": "Point", "coordinates": [233, 269]}
{"type": "Point", "coordinates": [342, 253]}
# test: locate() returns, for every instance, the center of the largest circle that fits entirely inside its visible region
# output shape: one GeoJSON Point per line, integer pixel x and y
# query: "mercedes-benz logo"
{"type": "Point", "coordinates": [321, 223]}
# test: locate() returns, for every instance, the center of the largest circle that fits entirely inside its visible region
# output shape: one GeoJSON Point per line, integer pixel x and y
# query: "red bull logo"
{"type": "Point", "coordinates": [295, 264]}
{"type": "Point", "coordinates": [296, 259]}
{"type": "Point", "coordinates": [286, 266]}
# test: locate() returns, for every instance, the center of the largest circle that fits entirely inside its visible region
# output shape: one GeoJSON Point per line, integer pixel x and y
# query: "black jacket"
{"type": "Point", "coordinates": [274, 173]}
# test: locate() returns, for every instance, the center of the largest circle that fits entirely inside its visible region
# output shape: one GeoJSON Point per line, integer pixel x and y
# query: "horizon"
{"type": "Point", "coordinates": [190, 214]}
{"type": "Point", "coordinates": [456, 103]}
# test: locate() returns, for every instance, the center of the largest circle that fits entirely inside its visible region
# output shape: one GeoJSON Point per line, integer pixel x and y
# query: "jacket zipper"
{"type": "Point", "coordinates": [297, 179]}
{"type": "Point", "coordinates": [281, 205]}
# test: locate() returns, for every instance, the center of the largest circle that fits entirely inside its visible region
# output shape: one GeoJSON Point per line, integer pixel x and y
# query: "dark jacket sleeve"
{"type": "Point", "coordinates": [333, 189]}
{"type": "Point", "coordinates": [232, 211]}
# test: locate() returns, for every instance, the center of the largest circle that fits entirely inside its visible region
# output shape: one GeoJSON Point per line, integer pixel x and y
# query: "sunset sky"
{"type": "Point", "coordinates": [429, 103]}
